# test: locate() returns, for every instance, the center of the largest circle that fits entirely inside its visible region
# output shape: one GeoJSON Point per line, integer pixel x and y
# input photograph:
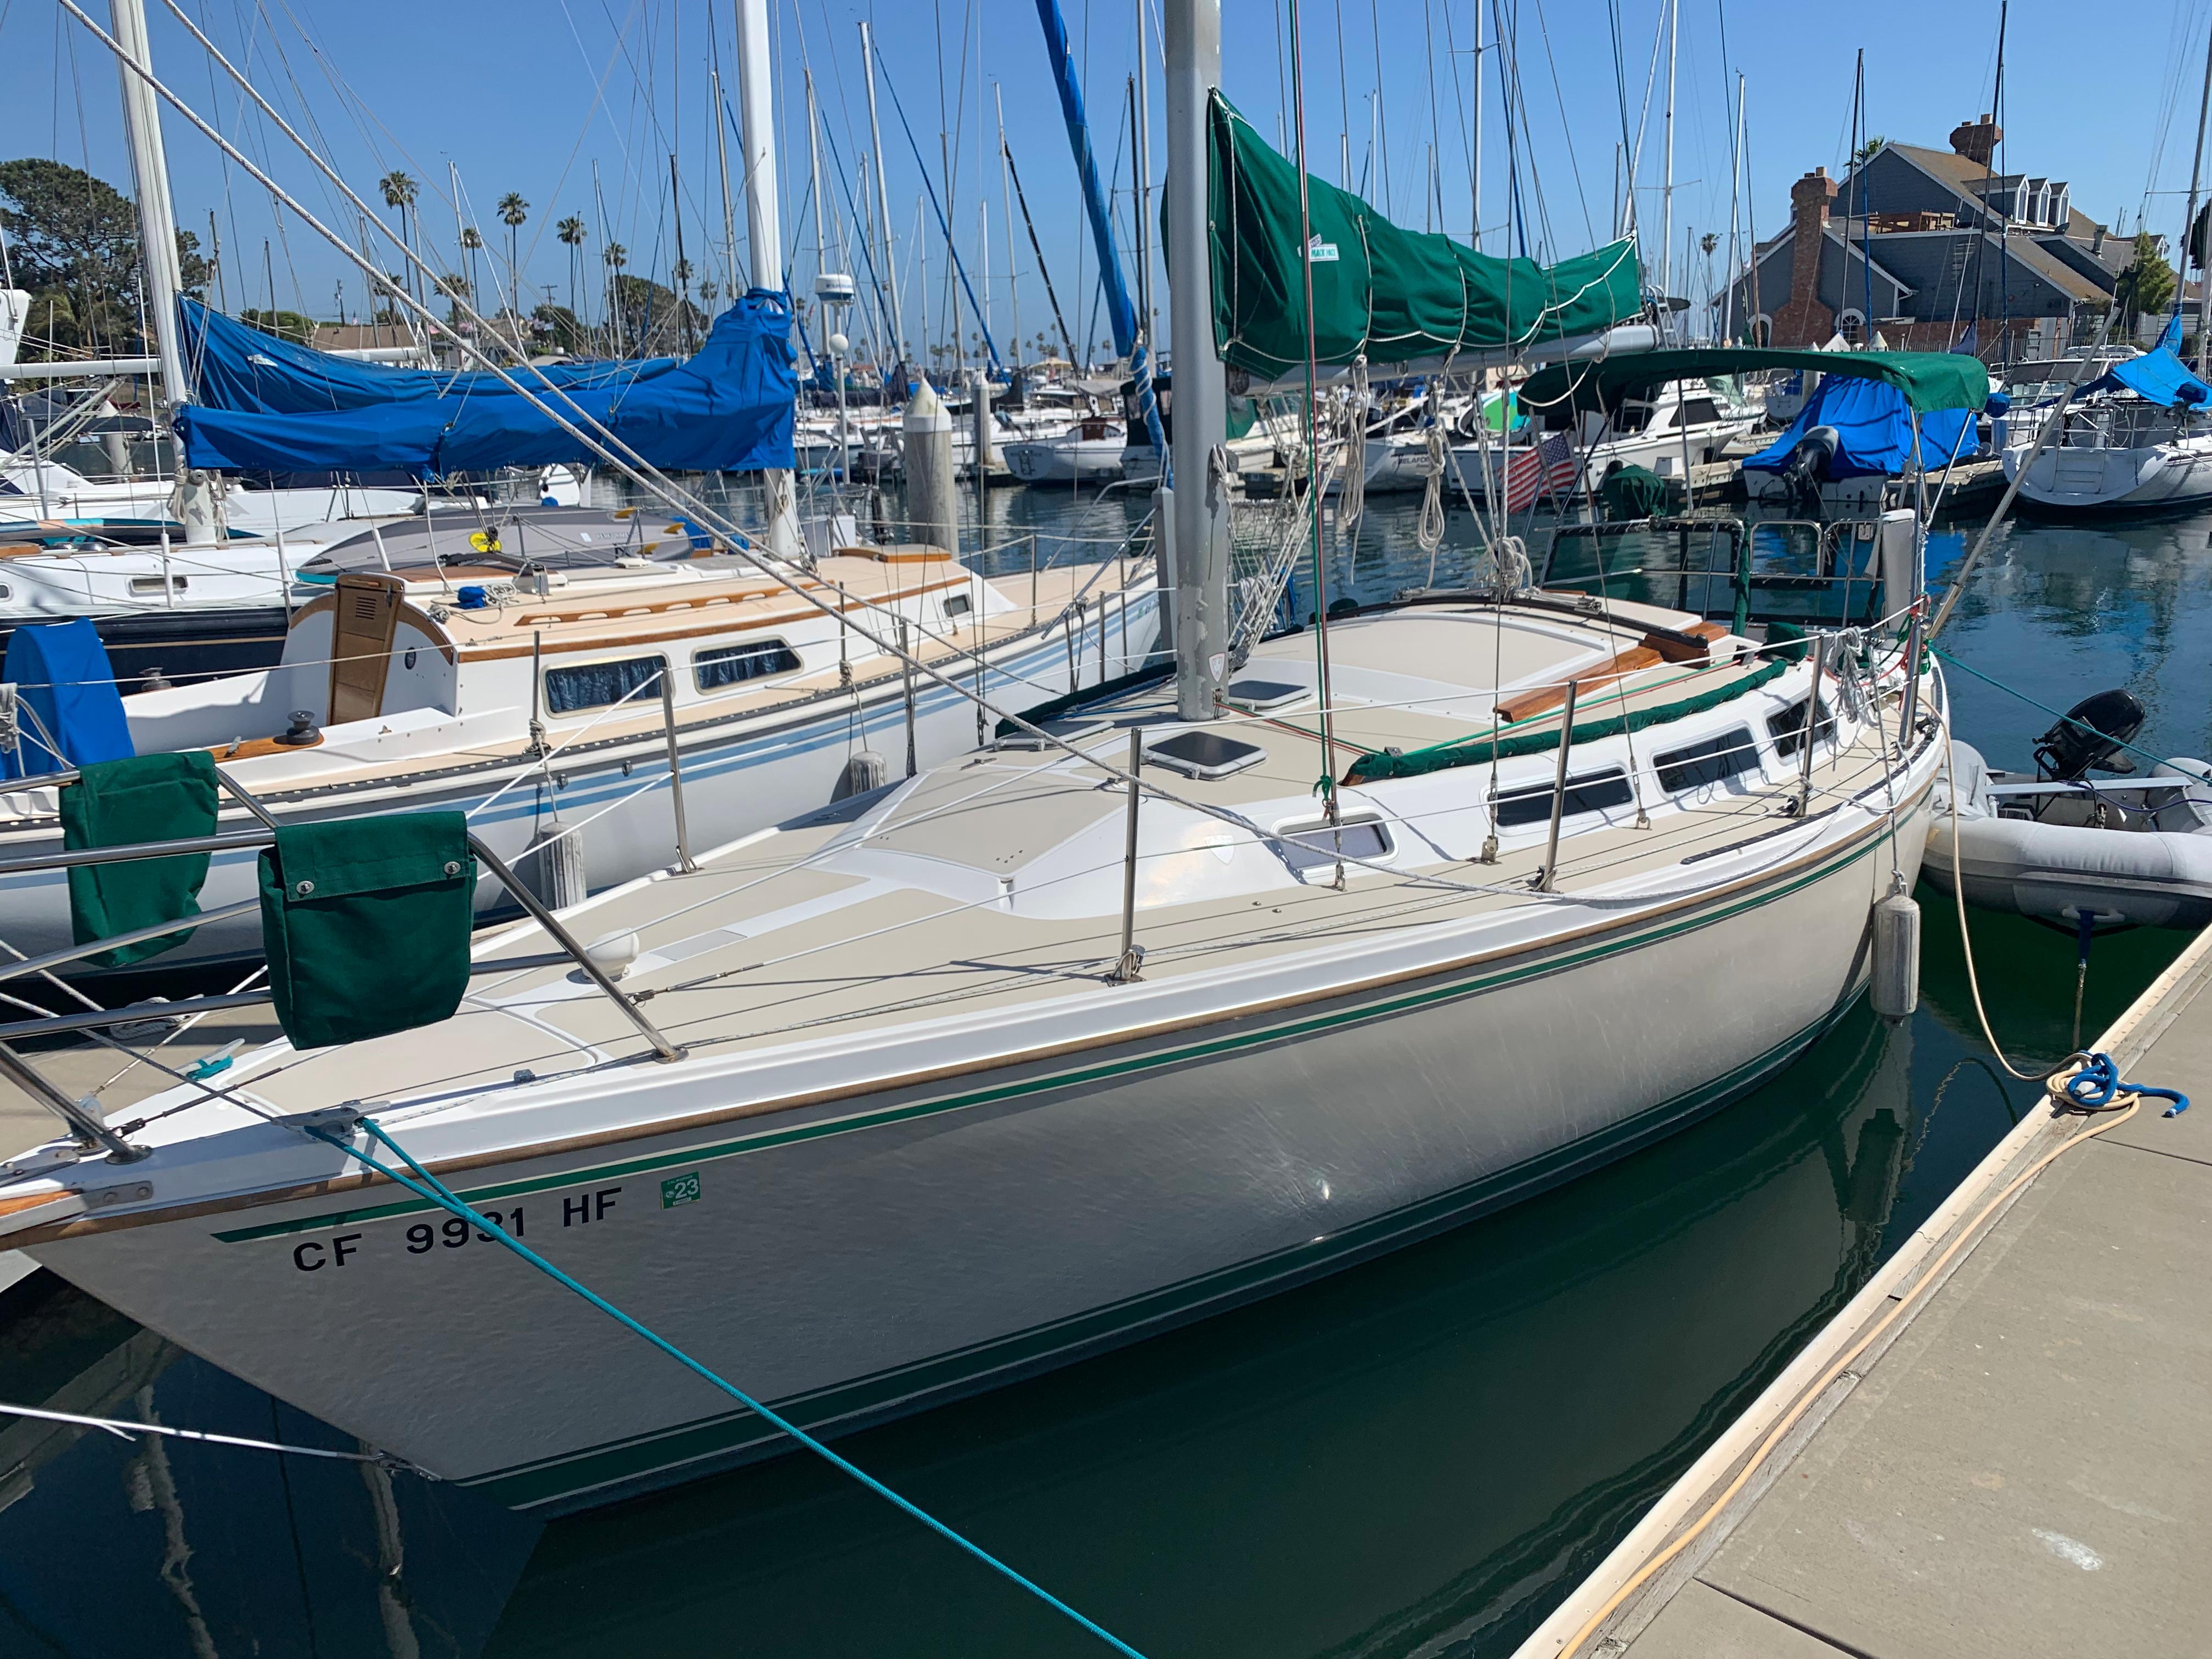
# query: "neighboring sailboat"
{"type": "Point", "coordinates": [2137, 439]}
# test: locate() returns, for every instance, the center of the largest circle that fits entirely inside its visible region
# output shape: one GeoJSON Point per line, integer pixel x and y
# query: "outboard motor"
{"type": "Point", "coordinates": [2091, 736]}
{"type": "Point", "coordinates": [1806, 466]}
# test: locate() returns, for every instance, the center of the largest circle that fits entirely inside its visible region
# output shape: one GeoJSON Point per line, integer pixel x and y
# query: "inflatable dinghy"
{"type": "Point", "coordinates": [2056, 846]}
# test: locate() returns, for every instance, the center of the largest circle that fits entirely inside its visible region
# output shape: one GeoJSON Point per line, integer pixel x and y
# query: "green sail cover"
{"type": "Point", "coordinates": [1391, 295]}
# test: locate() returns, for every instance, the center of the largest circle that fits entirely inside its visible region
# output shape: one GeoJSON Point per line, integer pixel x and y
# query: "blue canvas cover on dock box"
{"type": "Point", "coordinates": [727, 408]}
{"type": "Point", "coordinates": [67, 692]}
{"type": "Point", "coordinates": [1874, 423]}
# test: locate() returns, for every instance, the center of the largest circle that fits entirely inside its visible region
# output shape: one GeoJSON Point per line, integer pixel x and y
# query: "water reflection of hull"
{"type": "Point", "coordinates": [188, 1538]}
{"type": "Point", "coordinates": [1507, 1396]}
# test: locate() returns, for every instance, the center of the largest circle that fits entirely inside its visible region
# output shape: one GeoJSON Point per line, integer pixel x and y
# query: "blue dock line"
{"type": "Point", "coordinates": [428, 1186]}
{"type": "Point", "coordinates": [2093, 1088]}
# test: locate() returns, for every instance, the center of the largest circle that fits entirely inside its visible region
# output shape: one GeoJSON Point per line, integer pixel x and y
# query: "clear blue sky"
{"type": "Point", "coordinates": [531, 97]}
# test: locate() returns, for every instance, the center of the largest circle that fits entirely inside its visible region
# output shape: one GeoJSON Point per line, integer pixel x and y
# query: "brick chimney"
{"type": "Point", "coordinates": [1976, 140]}
{"type": "Point", "coordinates": [1804, 320]}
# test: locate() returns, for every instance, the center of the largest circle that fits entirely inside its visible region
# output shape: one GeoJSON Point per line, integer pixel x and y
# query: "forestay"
{"type": "Point", "coordinates": [1392, 297]}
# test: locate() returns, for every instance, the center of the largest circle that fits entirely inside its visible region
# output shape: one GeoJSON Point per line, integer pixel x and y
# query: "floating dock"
{"type": "Point", "coordinates": [2001, 1446]}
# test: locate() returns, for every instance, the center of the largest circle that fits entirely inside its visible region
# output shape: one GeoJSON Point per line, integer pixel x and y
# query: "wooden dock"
{"type": "Point", "coordinates": [2002, 1446]}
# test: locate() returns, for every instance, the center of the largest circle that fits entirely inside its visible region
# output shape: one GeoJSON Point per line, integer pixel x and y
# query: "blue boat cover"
{"type": "Point", "coordinates": [67, 693]}
{"type": "Point", "coordinates": [727, 408]}
{"type": "Point", "coordinates": [2157, 377]}
{"type": "Point", "coordinates": [1875, 425]}
{"type": "Point", "coordinates": [239, 368]}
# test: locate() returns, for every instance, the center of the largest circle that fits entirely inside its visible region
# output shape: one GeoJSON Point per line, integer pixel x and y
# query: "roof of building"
{"type": "Point", "coordinates": [1967, 178]}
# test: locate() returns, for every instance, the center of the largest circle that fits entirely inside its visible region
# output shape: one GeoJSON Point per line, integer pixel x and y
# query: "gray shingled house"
{"type": "Point", "coordinates": [1925, 242]}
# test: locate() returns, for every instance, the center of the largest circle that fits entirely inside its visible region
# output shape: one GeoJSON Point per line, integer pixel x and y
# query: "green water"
{"type": "Point", "coordinates": [1419, 1455]}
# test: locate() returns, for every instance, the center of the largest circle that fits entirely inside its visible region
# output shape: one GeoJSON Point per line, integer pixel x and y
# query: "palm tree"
{"type": "Point", "coordinates": [617, 256]}
{"type": "Point", "coordinates": [572, 232]}
{"type": "Point", "coordinates": [512, 211]}
{"type": "Point", "coordinates": [400, 191]}
{"type": "Point", "coordinates": [472, 245]}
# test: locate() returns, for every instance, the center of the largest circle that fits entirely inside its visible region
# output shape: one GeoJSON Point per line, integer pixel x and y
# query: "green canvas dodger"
{"type": "Point", "coordinates": [367, 922]}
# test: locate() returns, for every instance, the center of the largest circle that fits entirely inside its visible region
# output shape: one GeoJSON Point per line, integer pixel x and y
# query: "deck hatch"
{"type": "Point", "coordinates": [1200, 754]}
{"type": "Point", "coordinates": [1260, 694]}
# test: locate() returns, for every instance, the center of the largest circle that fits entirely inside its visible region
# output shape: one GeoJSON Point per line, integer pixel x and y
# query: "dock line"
{"type": "Point", "coordinates": [429, 1186]}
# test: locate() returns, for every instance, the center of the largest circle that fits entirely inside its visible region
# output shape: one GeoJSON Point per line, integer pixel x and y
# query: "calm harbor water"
{"type": "Point", "coordinates": [1417, 1457]}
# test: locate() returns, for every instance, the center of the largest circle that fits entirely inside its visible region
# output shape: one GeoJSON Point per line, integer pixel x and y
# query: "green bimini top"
{"type": "Point", "coordinates": [1929, 380]}
{"type": "Point", "coordinates": [1393, 296]}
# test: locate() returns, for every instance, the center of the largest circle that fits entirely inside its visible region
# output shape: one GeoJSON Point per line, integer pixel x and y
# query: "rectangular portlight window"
{"type": "Point", "coordinates": [1592, 793]}
{"type": "Point", "coordinates": [733, 665]}
{"type": "Point", "coordinates": [1203, 754]}
{"type": "Point", "coordinates": [958, 604]}
{"type": "Point", "coordinates": [1308, 846]}
{"type": "Point", "coordinates": [1714, 761]}
{"type": "Point", "coordinates": [1788, 727]}
{"type": "Point", "coordinates": [594, 685]}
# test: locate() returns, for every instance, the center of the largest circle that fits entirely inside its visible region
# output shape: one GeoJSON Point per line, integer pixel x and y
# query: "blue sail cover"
{"type": "Point", "coordinates": [1874, 423]}
{"type": "Point", "coordinates": [727, 408]}
{"type": "Point", "coordinates": [239, 368]}
{"type": "Point", "coordinates": [2157, 377]}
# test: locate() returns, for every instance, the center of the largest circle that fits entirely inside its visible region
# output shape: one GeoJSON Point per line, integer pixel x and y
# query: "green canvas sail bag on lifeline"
{"type": "Point", "coordinates": [115, 803]}
{"type": "Point", "coordinates": [366, 923]}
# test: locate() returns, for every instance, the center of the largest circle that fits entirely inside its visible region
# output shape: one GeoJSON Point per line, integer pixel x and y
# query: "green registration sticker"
{"type": "Point", "coordinates": [679, 1190]}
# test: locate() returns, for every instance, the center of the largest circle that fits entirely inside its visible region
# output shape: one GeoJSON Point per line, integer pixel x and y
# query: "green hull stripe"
{"type": "Point", "coordinates": [727, 1436]}
{"type": "Point", "coordinates": [1076, 1079]}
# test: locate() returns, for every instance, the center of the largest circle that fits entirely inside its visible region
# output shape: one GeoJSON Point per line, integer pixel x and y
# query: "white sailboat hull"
{"type": "Point", "coordinates": [900, 1242]}
{"type": "Point", "coordinates": [1065, 460]}
{"type": "Point", "coordinates": [2177, 473]}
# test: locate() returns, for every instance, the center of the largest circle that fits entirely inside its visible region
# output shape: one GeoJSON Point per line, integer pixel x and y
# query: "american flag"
{"type": "Point", "coordinates": [1549, 466]}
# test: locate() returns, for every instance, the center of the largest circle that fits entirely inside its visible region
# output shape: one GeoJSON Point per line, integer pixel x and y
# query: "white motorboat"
{"type": "Point", "coordinates": [524, 690]}
{"type": "Point", "coordinates": [2063, 849]}
{"type": "Point", "coordinates": [1090, 451]}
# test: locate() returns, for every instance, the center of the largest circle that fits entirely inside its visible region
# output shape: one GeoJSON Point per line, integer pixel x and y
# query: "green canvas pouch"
{"type": "Point", "coordinates": [366, 923]}
{"type": "Point", "coordinates": [140, 797]}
